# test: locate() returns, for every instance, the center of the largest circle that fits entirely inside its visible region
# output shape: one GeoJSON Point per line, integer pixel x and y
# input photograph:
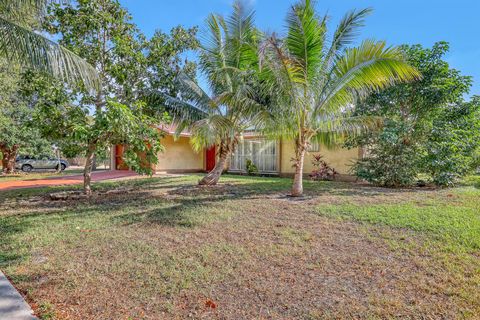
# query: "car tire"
{"type": "Point", "coordinates": [27, 168]}
{"type": "Point", "coordinates": [63, 167]}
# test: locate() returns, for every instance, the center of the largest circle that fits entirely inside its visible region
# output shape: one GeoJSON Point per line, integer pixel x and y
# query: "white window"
{"type": "Point", "coordinates": [314, 146]}
{"type": "Point", "coordinates": [263, 153]}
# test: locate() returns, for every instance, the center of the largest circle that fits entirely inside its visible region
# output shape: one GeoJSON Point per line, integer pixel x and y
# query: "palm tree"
{"type": "Point", "coordinates": [20, 44]}
{"type": "Point", "coordinates": [315, 80]}
{"type": "Point", "coordinates": [228, 54]}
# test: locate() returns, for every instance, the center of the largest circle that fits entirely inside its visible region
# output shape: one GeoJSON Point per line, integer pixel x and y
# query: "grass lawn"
{"type": "Point", "coordinates": [40, 174]}
{"type": "Point", "coordinates": [163, 248]}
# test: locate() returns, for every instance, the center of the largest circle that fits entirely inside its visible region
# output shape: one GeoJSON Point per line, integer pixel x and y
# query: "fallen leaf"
{"type": "Point", "coordinates": [210, 304]}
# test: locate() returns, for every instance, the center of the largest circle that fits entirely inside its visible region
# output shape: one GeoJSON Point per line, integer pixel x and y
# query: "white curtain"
{"type": "Point", "coordinates": [263, 154]}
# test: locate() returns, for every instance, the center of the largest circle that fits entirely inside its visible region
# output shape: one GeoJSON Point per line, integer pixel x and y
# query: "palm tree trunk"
{"type": "Point", "coordinates": [87, 173]}
{"type": "Point", "coordinates": [300, 149]}
{"type": "Point", "coordinates": [213, 176]}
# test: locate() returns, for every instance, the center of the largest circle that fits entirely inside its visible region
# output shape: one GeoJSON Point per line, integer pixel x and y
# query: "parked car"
{"type": "Point", "coordinates": [27, 163]}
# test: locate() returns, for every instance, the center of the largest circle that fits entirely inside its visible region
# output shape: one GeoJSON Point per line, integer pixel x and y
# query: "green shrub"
{"type": "Point", "coordinates": [453, 146]}
{"type": "Point", "coordinates": [428, 127]}
{"type": "Point", "coordinates": [391, 159]}
{"type": "Point", "coordinates": [251, 167]}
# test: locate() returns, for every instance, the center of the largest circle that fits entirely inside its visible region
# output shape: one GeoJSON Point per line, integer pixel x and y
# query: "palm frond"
{"type": "Point", "coordinates": [359, 71]}
{"type": "Point", "coordinates": [213, 55]}
{"type": "Point", "coordinates": [306, 38]}
{"type": "Point", "coordinates": [210, 131]}
{"type": "Point", "coordinates": [347, 31]}
{"type": "Point", "coordinates": [332, 132]}
{"type": "Point", "coordinates": [243, 105]}
{"type": "Point", "coordinates": [345, 34]}
{"type": "Point", "coordinates": [190, 91]}
{"type": "Point", "coordinates": [182, 112]}
{"type": "Point", "coordinates": [241, 34]}
{"type": "Point", "coordinates": [18, 4]}
{"type": "Point", "coordinates": [22, 11]}
{"type": "Point", "coordinates": [278, 68]}
{"type": "Point", "coordinates": [375, 65]}
{"type": "Point", "coordinates": [22, 45]}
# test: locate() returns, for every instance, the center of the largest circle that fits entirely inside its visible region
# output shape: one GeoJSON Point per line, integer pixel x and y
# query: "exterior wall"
{"type": "Point", "coordinates": [339, 159]}
{"type": "Point", "coordinates": [179, 156]}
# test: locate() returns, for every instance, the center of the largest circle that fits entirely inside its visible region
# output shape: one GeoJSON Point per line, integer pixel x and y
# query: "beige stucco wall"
{"type": "Point", "coordinates": [179, 156]}
{"type": "Point", "coordinates": [339, 159]}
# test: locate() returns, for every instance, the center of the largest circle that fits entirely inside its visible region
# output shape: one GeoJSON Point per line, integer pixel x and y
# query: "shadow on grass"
{"type": "Point", "coordinates": [186, 203]}
{"type": "Point", "coordinates": [174, 201]}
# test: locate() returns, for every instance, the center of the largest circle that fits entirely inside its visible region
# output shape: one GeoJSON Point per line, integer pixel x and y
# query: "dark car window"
{"type": "Point", "coordinates": [25, 158]}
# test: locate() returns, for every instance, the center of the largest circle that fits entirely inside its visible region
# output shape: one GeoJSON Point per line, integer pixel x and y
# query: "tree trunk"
{"type": "Point", "coordinates": [59, 163]}
{"type": "Point", "coordinates": [87, 173]}
{"type": "Point", "coordinates": [9, 158]}
{"type": "Point", "coordinates": [300, 149]}
{"type": "Point", "coordinates": [213, 176]}
{"type": "Point", "coordinates": [91, 149]}
{"type": "Point", "coordinates": [3, 150]}
{"type": "Point", "coordinates": [4, 163]}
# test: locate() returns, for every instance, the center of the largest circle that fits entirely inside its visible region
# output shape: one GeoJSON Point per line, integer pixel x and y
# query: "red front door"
{"type": "Point", "coordinates": [119, 163]}
{"type": "Point", "coordinates": [211, 157]}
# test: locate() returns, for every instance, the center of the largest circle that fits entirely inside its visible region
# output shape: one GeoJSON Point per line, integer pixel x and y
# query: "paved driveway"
{"type": "Point", "coordinates": [64, 180]}
{"type": "Point", "coordinates": [12, 305]}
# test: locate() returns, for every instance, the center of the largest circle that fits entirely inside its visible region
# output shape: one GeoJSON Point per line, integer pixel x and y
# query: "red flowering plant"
{"type": "Point", "coordinates": [322, 170]}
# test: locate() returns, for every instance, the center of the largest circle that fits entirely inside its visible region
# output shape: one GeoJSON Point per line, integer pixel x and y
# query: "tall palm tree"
{"type": "Point", "coordinates": [314, 80]}
{"type": "Point", "coordinates": [228, 58]}
{"type": "Point", "coordinates": [20, 44]}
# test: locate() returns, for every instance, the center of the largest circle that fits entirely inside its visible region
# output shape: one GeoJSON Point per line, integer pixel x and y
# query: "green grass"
{"type": "Point", "coordinates": [39, 175]}
{"type": "Point", "coordinates": [163, 246]}
{"type": "Point", "coordinates": [473, 180]}
{"type": "Point", "coordinates": [453, 217]}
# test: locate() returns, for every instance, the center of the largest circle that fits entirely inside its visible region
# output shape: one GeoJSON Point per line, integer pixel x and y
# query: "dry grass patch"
{"type": "Point", "coordinates": [171, 250]}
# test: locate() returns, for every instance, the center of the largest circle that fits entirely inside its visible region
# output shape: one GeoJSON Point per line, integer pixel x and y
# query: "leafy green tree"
{"type": "Point", "coordinates": [166, 58]}
{"type": "Point", "coordinates": [101, 32]}
{"type": "Point", "coordinates": [19, 136]}
{"type": "Point", "coordinates": [228, 59]}
{"type": "Point", "coordinates": [17, 132]}
{"type": "Point", "coordinates": [389, 160]}
{"type": "Point", "coordinates": [20, 45]}
{"type": "Point", "coordinates": [61, 118]}
{"type": "Point", "coordinates": [394, 155]}
{"type": "Point", "coordinates": [314, 79]}
{"type": "Point", "coordinates": [453, 146]}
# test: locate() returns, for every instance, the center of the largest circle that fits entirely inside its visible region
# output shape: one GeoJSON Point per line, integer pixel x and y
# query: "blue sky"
{"type": "Point", "coordinates": [397, 22]}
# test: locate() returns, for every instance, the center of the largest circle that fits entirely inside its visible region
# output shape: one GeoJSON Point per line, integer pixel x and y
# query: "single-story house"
{"type": "Point", "coordinates": [270, 157]}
